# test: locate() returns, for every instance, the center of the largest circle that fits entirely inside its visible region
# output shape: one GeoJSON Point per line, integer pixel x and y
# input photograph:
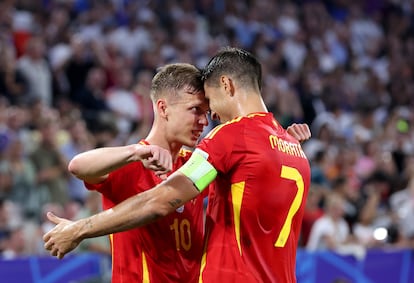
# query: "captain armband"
{"type": "Point", "coordinates": [199, 170]}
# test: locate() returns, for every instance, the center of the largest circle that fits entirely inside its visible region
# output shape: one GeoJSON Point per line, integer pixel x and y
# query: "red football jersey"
{"type": "Point", "coordinates": [256, 207]}
{"type": "Point", "coordinates": [168, 250]}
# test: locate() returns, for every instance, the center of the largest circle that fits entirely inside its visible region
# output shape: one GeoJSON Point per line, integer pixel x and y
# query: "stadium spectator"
{"type": "Point", "coordinates": [313, 211]}
{"type": "Point", "coordinates": [14, 246]}
{"type": "Point", "coordinates": [13, 84]}
{"type": "Point", "coordinates": [402, 203]}
{"type": "Point", "coordinates": [80, 140]}
{"type": "Point", "coordinates": [122, 101]}
{"type": "Point", "coordinates": [91, 98]}
{"type": "Point", "coordinates": [36, 71]}
{"type": "Point", "coordinates": [50, 164]}
{"type": "Point", "coordinates": [20, 173]}
{"type": "Point", "coordinates": [331, 232]}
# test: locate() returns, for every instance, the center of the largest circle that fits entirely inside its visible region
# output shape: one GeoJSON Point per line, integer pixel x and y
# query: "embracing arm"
{"type": "Point", "coordinates": [94, 166]}
{"type": "Point", "coordinates": [140, 209]}
{"type": "Point", "coordinates": [134, 212]}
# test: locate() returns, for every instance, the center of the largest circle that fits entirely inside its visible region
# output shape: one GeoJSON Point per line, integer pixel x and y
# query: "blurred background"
{"type": "Point", "coordinates": [76, 74]}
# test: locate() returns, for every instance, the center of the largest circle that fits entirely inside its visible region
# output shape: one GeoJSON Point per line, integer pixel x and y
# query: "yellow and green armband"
{"type": "Point", "coordinates": [199, 170]}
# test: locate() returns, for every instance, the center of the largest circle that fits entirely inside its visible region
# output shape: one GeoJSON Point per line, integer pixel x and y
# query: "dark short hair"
{"type": "Point", "coordinates": [237, 63]}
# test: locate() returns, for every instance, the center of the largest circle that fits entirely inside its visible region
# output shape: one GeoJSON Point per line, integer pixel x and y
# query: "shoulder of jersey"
{"type": "Point", "coordinates": [217, 129]}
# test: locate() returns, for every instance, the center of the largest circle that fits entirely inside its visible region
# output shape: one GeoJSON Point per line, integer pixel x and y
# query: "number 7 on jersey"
{"type": "Point", "coordinates": [293, 174]}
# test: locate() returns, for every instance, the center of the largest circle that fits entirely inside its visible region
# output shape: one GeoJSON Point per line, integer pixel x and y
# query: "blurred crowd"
{"type": "Point", "coordinates": [76, 74]}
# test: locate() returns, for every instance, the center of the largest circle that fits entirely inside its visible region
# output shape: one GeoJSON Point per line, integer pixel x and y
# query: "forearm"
{"type": "Point", "coordinates": [134, 212]}
{"type": "Point", "coordinates": [101, 161]}
{"type": "Point", "coordinates": [140, 209]}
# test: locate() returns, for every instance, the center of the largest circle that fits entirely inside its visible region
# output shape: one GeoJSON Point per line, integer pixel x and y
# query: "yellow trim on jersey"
{"type": "Point", "coordinates": [183, 152]}
{"type": "Point", "coordinates": [214, 131]}
{"type": "Point", "coordinates": [237, 191]}
{"type": "Point", "coordinates": [203, 265]}
{"type": "Point", "coordinates": [251, 115]}
{"type": "Point", "coordinates": [145, 271]}
{"type": "Point", "coordinates": [111, 241]}
{"type": "Point", "coordinates": [203, 260]}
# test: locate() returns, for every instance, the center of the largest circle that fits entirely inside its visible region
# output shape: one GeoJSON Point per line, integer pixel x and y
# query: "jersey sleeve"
{"type": "Point", "coordinates": [102, 187]}
{"type": "Point", "coordinates": [124, 176]}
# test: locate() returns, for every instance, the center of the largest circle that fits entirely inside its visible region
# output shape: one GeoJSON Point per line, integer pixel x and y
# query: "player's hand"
{"type": "Point", "coordinates": [155, 158]}
{"type": "Point", "coordinates": [61, 239]}
{"type": "Point", "coordinates": [300, 132]}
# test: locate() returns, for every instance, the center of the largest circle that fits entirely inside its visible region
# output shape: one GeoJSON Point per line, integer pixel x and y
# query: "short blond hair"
{"type": "Point", "coordinates": [171, 78]}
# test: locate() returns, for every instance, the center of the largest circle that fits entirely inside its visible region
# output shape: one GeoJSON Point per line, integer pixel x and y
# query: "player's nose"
{"type": "Point", "coordinates": [203, 120]}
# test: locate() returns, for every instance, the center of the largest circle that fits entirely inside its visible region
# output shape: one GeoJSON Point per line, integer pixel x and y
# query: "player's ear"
{"type": "Point", "coordinates": [228, 85]}
{"type": "Point", "coordinates": [162, 108]}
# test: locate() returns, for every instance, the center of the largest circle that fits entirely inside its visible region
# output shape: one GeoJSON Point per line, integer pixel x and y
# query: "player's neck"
{"type": "Point", "coordinates": [249, 104]}
{"type": "Point", "coordinates": [158, 137]}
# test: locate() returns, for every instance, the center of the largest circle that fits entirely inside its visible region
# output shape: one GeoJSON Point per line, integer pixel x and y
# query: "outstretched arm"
{"type": "Point", "coordinates": [136, 211]}
{"type": "Point", "coordinates": [93, 166]}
